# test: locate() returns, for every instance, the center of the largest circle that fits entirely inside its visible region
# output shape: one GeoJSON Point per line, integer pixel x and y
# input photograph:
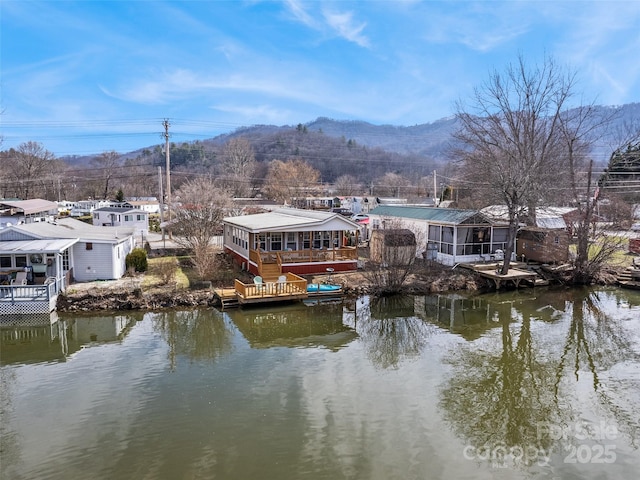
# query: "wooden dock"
{"type": "Point", "coordinates": [516, 274]}
{"type": "Point", "coordinates": [630, 278]}
{"type": "Point", "coordinates": [293, 289]}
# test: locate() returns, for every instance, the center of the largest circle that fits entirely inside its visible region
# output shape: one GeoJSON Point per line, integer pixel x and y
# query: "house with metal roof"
{"type": "Point", "coordinates": [446, 235]}
{"type": "Point", "coordinates": [54, 254]}
{"type": "Point", "coordinates": [15, 212]}
{"type": "Point", "coordinates": [292, 240]}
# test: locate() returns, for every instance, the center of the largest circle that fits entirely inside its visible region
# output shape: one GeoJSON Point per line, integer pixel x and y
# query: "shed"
{"type": "Point", "coordinates": [543, 245]}
{"type": "Point", "coordinates": [393, 246]}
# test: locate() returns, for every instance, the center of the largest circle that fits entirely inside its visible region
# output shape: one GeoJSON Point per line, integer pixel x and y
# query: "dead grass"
{"type": "Point", "coordinates": [151, 281]}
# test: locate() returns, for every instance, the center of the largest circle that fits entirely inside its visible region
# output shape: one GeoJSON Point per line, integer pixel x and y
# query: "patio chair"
{"type": "Point", "coordinates": [282, 283]}
{"type": "Point", "coordinates": [257, 280]}
{"type": "Point", "coordinates": [21, 279]}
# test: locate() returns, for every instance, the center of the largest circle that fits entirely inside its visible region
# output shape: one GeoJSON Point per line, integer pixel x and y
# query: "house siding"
{"type": "Point", "coordinates": [544, 246]}
{"type": "Point", "coordinates": [104, 261]}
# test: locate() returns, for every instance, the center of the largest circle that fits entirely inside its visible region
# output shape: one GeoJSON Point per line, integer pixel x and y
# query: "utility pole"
{"type": "Point", "coordinates": [435, 189]}
{"type": "Point", "coordinates": [166, 126]}
{"type": "Point", "coordinates": [161, 196]}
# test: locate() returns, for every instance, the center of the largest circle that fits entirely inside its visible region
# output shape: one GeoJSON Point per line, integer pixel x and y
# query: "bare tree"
{"type": "Point", "coordinates": [347, 185]}
{"type": "Point", "coordinates": [578, 129]}
{"type": "Point", "coordinates": [239, 166]}
{"type": "Point", "coordinates": [391, 185]}
{"type": "Point", "coordinates": [198, 213]}
{"type": "Point", "coordinates": [106, 166]}
{"type": "Point", "coordinates": [291, 181]}
{"type": "Point", "coordinates": [512, 148]}
{"type": "Point", "coordinates": [392, 257]}
{"type": "Point", "coordinates": [28, 169]}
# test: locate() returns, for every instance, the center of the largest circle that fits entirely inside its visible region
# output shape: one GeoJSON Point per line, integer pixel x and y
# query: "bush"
{"type": "Point", "coordinates": [137, 260]}
{"type": "Point", "coordinates": [165, 269]}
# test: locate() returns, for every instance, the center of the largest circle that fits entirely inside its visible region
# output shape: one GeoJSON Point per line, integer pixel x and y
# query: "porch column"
{"type": "Point", "coordinates": [455, 244]}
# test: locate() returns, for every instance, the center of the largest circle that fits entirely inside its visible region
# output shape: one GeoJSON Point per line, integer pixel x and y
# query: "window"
{"type": "Point", "coordinates": [317, 239]}
{"type": "Point", "coordinates": [5, 262]}
{"type": "Point", "coordinates": [291, 241]}
{"type": "Point", "coordinates": [65, 260]}
{"type": "Point", "coordinates": [276, 241]}
{"type": "Point", "coordinates": [326, 239]}
{"type": "Point", "coordinates": [21, 261]}
{"type": "Point", "coordinates": [89, 246]}
{"type": "Point", "coordinates": [140, 218]}
{"type": "Point", "coordinates": [556, 239]}
{"type": "Point", "coordinates": [128, 218]}
{"type": "Point", "coordinates": [96, 216]}
{"type": "Point", "coordinates": [306, 240]}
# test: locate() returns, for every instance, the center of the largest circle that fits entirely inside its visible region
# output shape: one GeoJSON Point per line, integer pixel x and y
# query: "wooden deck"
{"type": "Point", "coordinates": [515, 275]}
{"type": "Point", "coordinates": [294, 289]}
{"type": "Point", "coordinates": [271, 290]}
{"type": "Point", "coordinates": [630, 278]}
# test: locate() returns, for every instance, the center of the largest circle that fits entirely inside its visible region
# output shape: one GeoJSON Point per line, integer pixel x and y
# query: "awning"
{"type": "Point", "coordinates": [24, 247]}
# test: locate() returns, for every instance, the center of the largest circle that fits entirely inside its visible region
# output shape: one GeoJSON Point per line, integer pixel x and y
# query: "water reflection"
{"type": "Point", "coordinates": [196, 334]}
{"type": "Point", "coordinates": [377, 389]}
{"type": "Point", "coordinates": [389, 330]}
{"type": "Point", "coordinates": [598, 349]}
{"type": "Point", "coordinates": [297, 325]}
{"type": "Point", "coordinates": [50, 338]}
{"type": "Point", "coordinates": [525, 390]}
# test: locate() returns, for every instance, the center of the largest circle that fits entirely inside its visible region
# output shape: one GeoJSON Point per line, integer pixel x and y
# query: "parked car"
{"type": "Point", "coordinates": [342, 211]}
{"type": "Point", "coordinates": [360, 218]}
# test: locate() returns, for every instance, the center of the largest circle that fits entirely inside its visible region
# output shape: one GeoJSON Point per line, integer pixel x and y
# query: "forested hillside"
{"type": "Point", "coordinates": [360, 150]}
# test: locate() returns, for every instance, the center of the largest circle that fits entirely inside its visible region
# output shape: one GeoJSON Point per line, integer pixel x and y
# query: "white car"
{"type": "Point", "coordinates": [360, 217]}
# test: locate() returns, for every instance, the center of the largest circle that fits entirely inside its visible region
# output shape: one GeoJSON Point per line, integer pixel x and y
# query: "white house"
{"type": "Point", "coordinates": [82, 208]}
{"type": "Point", "coordinates": [68, 249]}
{"type": "Point", "coordinates": [146, 204]}
{"type": "Point", "coordinates": [446, 235]}
{"type": "Point", "coordinates": [122, 215]}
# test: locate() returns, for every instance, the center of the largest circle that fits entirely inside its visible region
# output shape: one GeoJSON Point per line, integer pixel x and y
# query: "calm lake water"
{"type": "Point", "coordinates": [529, 384]}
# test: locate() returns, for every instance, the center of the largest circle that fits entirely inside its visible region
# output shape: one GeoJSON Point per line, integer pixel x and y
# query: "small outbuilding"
{"type": "Point", "coordinates": [393, 246]}
{"type": "Point", "coordinates": [543, 245]}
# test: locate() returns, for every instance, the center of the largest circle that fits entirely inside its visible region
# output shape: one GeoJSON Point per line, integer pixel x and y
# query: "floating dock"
{"type": "Point", "coordinates": [516, 274]}
{"type": "Point", "coordinates": [293, 289]}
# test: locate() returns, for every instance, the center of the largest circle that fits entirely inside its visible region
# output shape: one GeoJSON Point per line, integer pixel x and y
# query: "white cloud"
{"type": "Point", "coordinates": [343, 25]}
{"type": "Point", "coordinates": [300, 14]}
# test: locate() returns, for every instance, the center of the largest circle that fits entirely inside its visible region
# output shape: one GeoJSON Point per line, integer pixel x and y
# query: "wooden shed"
{"type": "Point", "coordinates": [392, 246]}
{"type": "Point", "coordinates": [543, 245]}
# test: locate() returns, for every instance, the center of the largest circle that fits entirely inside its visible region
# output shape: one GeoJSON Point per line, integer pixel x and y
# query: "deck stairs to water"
{"type": "Point", "coordinates": [227, 297]}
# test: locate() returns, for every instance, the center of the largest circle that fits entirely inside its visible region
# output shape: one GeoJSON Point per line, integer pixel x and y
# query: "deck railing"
{"type": "Point", "coordinates": [304, 256]}
{"type": "Point", "coordinates": [294, 285]}
{"type": "Point", "coordinates": [29, 293]}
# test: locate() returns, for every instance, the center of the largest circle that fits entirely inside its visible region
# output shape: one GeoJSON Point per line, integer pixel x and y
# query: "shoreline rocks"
{"type": "Point", "coordinates": [122, 296]}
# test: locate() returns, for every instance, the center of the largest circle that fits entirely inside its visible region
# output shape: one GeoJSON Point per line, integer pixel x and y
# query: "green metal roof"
{"type": "Point", "coordinates": [451, 216]}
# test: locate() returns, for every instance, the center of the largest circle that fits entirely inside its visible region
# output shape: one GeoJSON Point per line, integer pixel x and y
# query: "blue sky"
{"type": "Point", "coordinates": [91, 76]}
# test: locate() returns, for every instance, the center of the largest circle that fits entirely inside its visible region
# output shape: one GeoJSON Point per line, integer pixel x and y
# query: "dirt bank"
{"type": "Point", "coordinates": [129, 294]}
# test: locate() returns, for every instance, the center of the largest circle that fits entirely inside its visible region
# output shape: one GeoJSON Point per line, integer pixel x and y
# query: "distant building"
{"type": "Point", "coordinates": [122, 215]}
{"type": "Point", "coordinates": [146, 204]}
{"type": "Point", "coordinates": [17, 212]}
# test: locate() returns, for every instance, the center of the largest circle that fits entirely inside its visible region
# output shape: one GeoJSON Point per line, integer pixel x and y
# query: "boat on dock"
{"type": "Point", "coordinates": [323, 288]}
